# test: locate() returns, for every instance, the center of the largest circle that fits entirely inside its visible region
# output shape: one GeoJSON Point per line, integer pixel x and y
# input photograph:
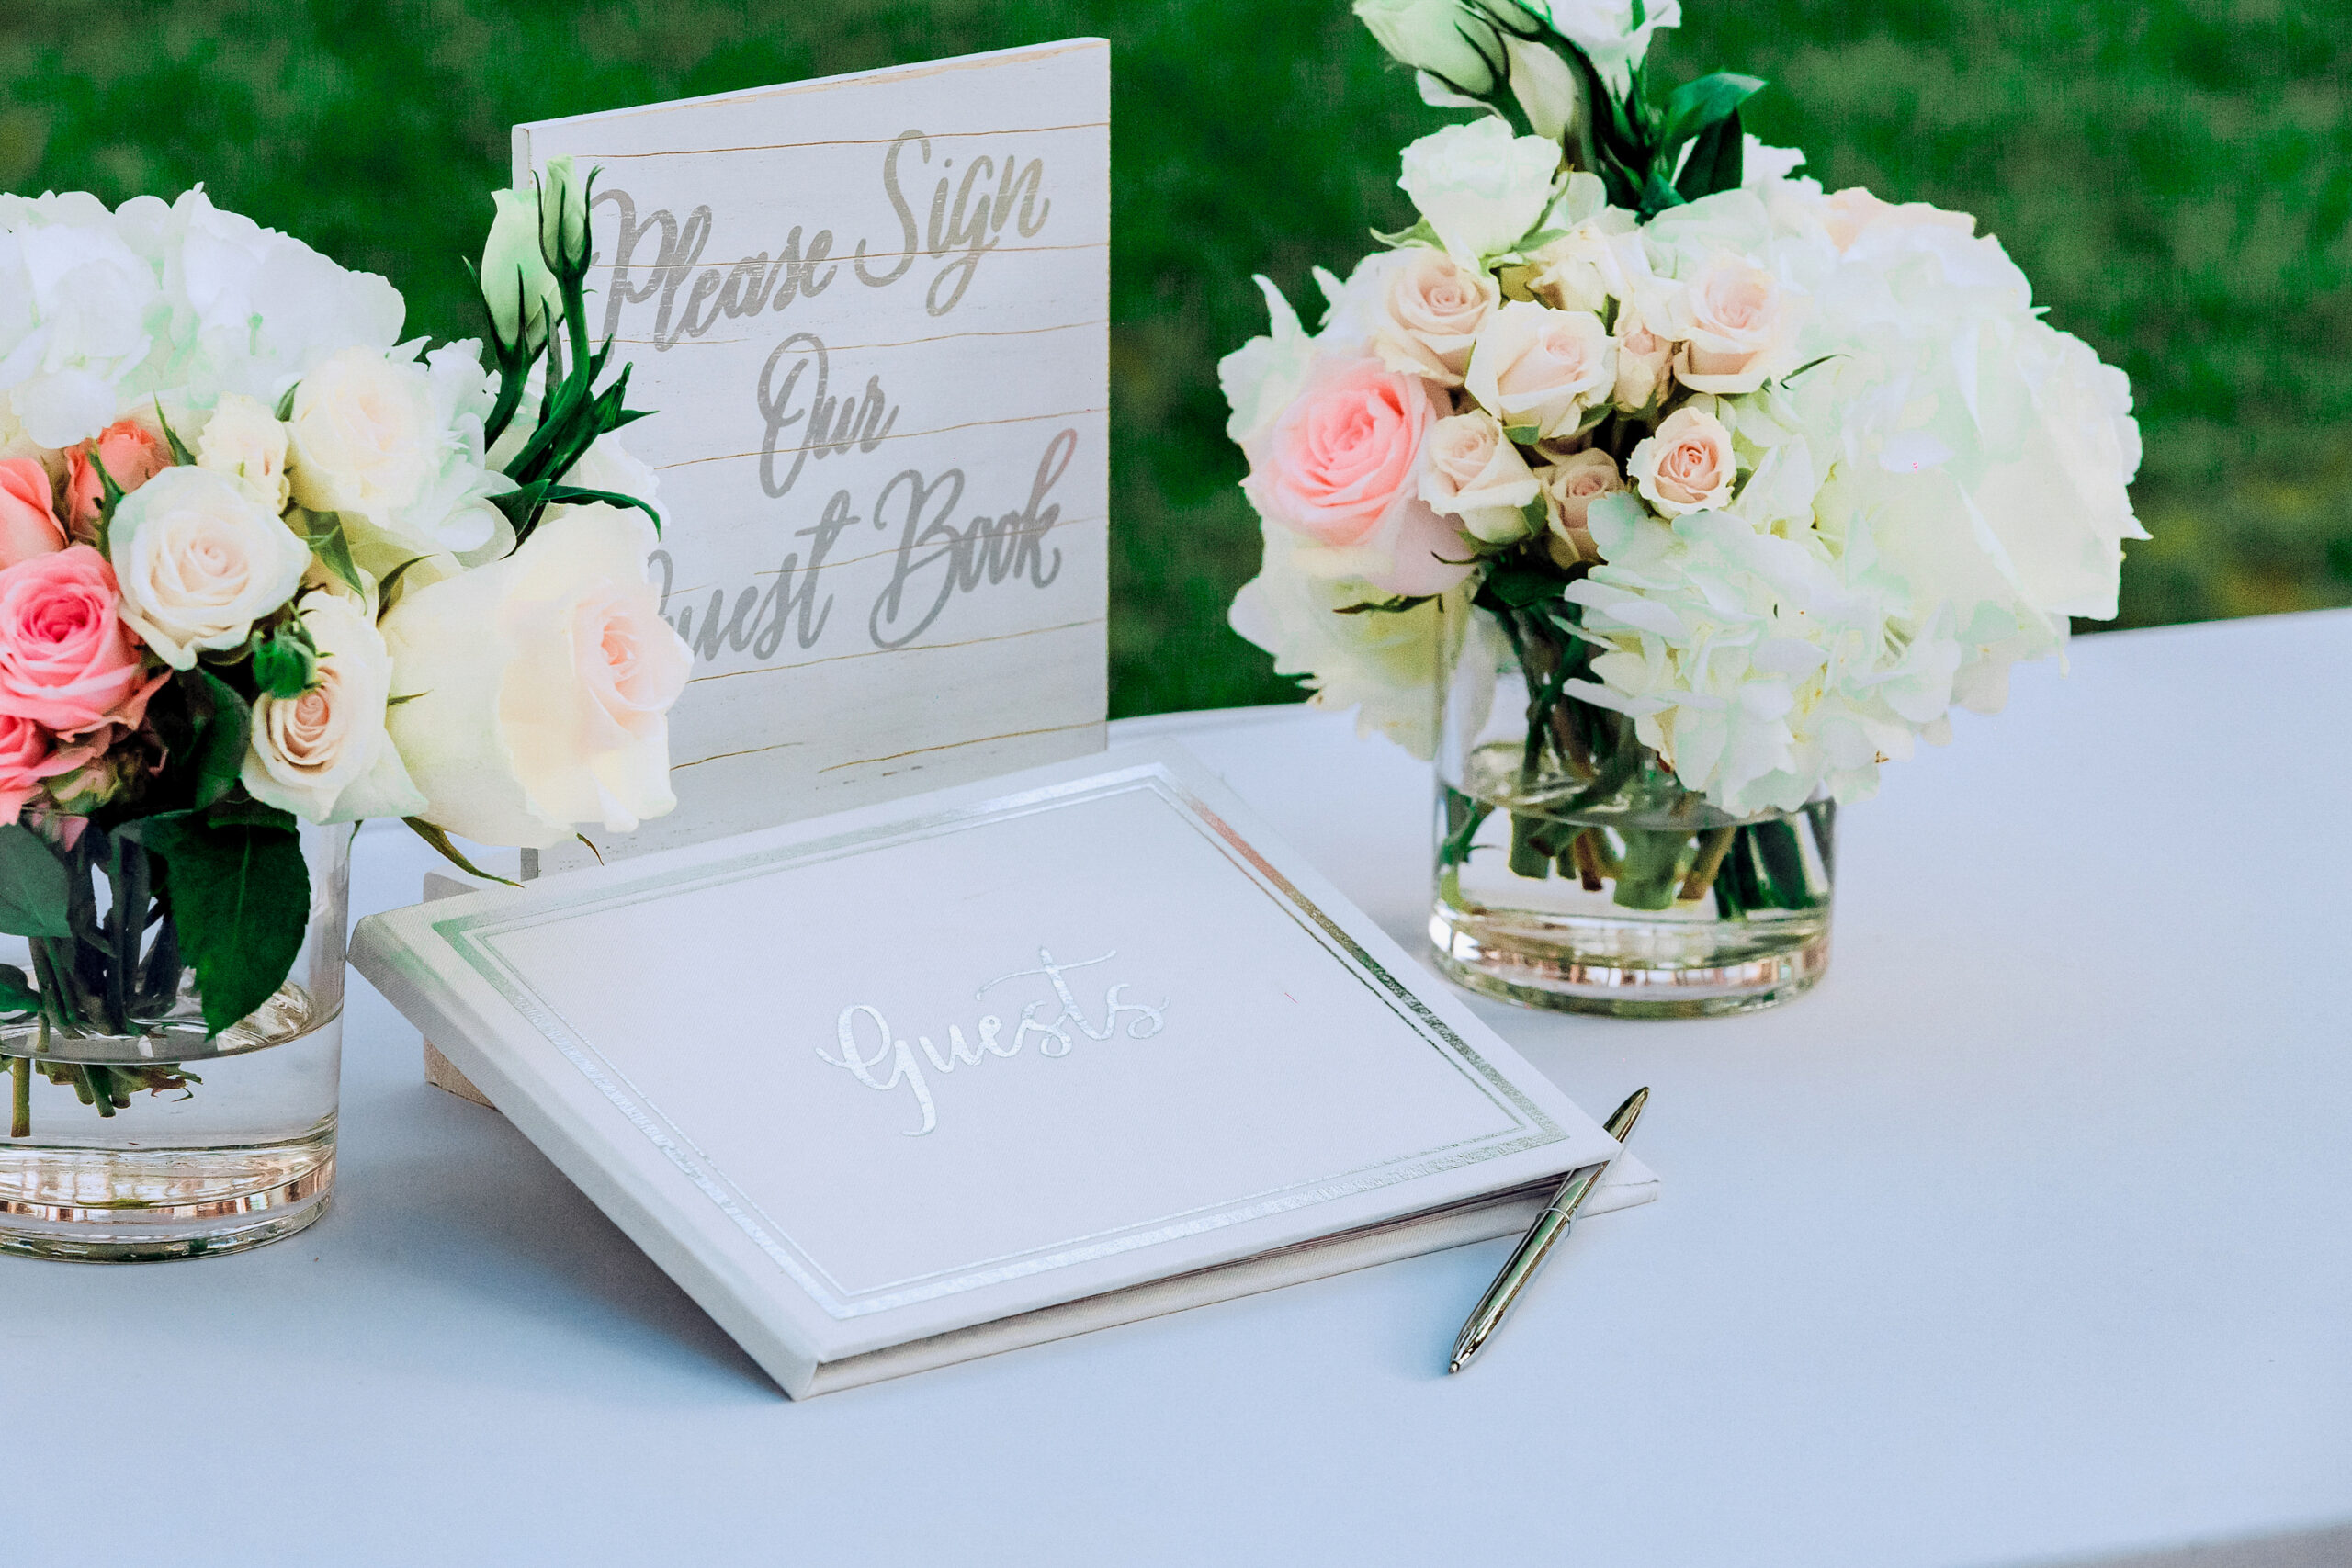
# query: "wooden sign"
{"type": "Point", "coordinates": [872, 313]}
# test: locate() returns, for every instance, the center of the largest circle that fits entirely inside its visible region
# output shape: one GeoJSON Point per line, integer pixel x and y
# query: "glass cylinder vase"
{"type": "Point", "coordinates": [132, 1132]}
{"type": "Point", "coordinates": [1573, 870]}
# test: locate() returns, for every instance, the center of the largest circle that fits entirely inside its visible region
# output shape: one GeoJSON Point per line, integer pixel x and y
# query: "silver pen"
{"type": "Point", "coordinates": [1549, 1227]}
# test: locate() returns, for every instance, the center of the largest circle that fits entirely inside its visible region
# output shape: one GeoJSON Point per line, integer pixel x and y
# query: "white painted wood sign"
{"type": "Point", "coordinates": [872, 313]}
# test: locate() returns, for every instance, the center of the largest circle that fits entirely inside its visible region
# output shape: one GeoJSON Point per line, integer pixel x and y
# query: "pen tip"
{"type": "Point", "coordinates": [1454, 1366]}
{"type": "Point", "coordinates": [1621, 1121]}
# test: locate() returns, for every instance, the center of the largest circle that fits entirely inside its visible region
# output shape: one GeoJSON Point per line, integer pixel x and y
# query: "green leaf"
{"type": "Point", "coordinates": [1715, 161]}
{"type": "Point", "coordinates": [287, 664]}
{"type": "Point", "coordinates": [218, 756]}
{"type": "Point", "coordinates": [286, 404]}
{"type": "Point", "coordinates": [1694, 105]}
{"type": "Point", "coordinates": [328, 542]}
{"type": "Point", "coordinates": [180, 454]}
{"type": "Point", "coordinates": [33, 890]}
{"type": "Point", "coordinates": [17, 993]}
{"type": "Point", "coordinates": [439, 838]}
{"type": "Point", "coordinates": [1657, 195]}
{"type": "Point", "coordinates": [391, 580]}
{"type": "Point", "coordinates": [1517, 587]}
{"type": "Point", "coordinates": [1385, 606]}
{"type": "Point", "coordinates": [240, 898]}
{"type": "Point", "coordinates": [1523, 434]}
{"type": "Point", "coordinates": [571, 495]}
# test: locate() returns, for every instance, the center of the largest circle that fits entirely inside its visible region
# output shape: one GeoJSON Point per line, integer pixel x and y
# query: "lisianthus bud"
{"type": "Point", "coordinates": [563, 213]}
{"type": "Point", "coordinates": [1457, 43]}
{"type": "Point", "coordinates": [516, 282]}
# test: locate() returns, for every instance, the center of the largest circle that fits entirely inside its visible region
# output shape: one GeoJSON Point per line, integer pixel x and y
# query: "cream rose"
{"type": "Point", "coordinates": [200, 560]}
{"type": "Point", "coordinates": [1541, 368]}
{"type": "Point", "coordinates": [1475, 473]}
{"type": "Point", "coordinates": [1431, 310]}
{"type": "Point", "coordinates": [244, 441]}
{"type": "Point", "coordinates": [1644, 361]}
{"type": "Point", "coordinates": [1570, 487]}
{"type": "Point", "coordinates": [1583, 268]}
{"type": "Point", "coordinates": [1736, 324]}
{"type": "Point", "coordinates": [540, 685]}
{"type": "Point", "coordinates": [325, 755]}
{"type": "Point", "coordinates": [1687, 465]}
{"type": "Point", "coordinates": [362, 437]}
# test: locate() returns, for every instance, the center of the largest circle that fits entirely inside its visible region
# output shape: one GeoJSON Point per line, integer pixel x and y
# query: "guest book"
{"type": "Point", "coordinates": [925, 1081]}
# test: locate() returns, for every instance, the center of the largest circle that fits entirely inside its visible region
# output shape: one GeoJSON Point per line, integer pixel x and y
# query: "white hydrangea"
{"type": "Point", "coordinates": [1387, 665]}
{"type": "Point", "coordinates": [1920, 509]}
{"type": "Point", "coordinates": [104, 312]}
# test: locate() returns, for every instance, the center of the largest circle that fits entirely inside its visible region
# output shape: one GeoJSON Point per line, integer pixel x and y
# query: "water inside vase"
{"type": "Point", "coordinates": [1653, 910]}
{"type": "Point", "coordinates": [208, 1149]}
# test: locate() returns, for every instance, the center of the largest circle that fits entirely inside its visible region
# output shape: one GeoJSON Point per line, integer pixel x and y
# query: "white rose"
{"type": "Point", "coordinates": [395, 447]}
{"type": "Point", "coordinates": [244, 441]}
{"type": "Point", "coordinates": [199, 562]}
{"type": "Point", "coordinates": [1736, 324]}
{"type": "Point", "coordinates": [1430, 313]}
{"type": "Point", "coordinates": [1687, 465]}
{"type": "Point", "coordinates": [1541, 368]}
{"type": "Point", "coordinates": [361, 438]}
{"type": "Point", "coordinates": [543, 681]}
{"type": "Point", "coordinates": [1475, 473]}
{"type": "Point", "coordinates": [1570, 487]}
{"type": "Point", "coordinates": [1459, 46]}
{"type": "Point", "coordinates": [325, 755]}
{"type": "Point", "coordinates": [1481, 187]}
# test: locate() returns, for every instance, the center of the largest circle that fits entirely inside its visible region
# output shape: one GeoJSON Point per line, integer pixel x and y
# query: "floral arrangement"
{"type": "Point", "coordinates": [263, 565]}
{"type": "Point", "coordinates": [1759, 481]}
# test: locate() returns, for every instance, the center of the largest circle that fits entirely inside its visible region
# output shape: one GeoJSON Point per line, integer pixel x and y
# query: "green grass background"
{"type": "Point", "coordinates": [2176, 178]}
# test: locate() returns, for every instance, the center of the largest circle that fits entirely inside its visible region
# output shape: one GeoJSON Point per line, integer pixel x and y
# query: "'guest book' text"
{"type": "Point", "coordinates": [879, 1059]}
{"type": "Point", "coordinates": [873, 312]}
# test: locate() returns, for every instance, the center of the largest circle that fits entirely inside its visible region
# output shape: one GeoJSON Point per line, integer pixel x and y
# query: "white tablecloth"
{"type": "Point", "coordinates": [2026, 1237]}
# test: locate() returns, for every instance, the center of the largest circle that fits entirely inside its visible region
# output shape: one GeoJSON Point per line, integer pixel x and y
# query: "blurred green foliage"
{"type": "Point", "coordinates": [2175, 178]}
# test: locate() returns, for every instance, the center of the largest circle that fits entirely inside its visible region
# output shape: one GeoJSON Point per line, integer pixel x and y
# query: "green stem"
{"type": "Point", "coordinates": [20, 1120]}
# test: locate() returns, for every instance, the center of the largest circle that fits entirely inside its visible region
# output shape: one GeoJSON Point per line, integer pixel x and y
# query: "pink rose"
{"type": "Point", "coordinates": [1570, 487]}
{"type": "Point", "coordinates": [30, 754]}
{"type": "Point", "coordinates": [1342, 465]}
{"type": "Point", "coordinates": [28, 525]}
{"type": "Point", "coordinates": [66, 660]}
{"type": "Point", "coordinates": [1687, 465]}
{"type": "Point", "coordinates": [1736, 324]}
{"type": "Point", "coordinates": [132, 456]}
{"type": "Point", "coordinates": [1430, 315]}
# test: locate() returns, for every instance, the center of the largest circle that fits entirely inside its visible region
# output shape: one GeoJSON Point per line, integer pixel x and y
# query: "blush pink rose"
{"type": "Point", "coordinates": [29, 755]}
{"type": "Point", "coordinates": [1687, 465]}
{"type": "Point", "coordinates": [67, 661]}
{"type": "Point", "coordinates": [132, 454]}
{"type": "Point", "coordinates": [1343, 466]}
{"type": "Point", "coordinates": [1570, 487]}
{"type": "Point", "coordinates": [28, 525]}
{"type": "Point", "coordinates": [1736, 324]}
